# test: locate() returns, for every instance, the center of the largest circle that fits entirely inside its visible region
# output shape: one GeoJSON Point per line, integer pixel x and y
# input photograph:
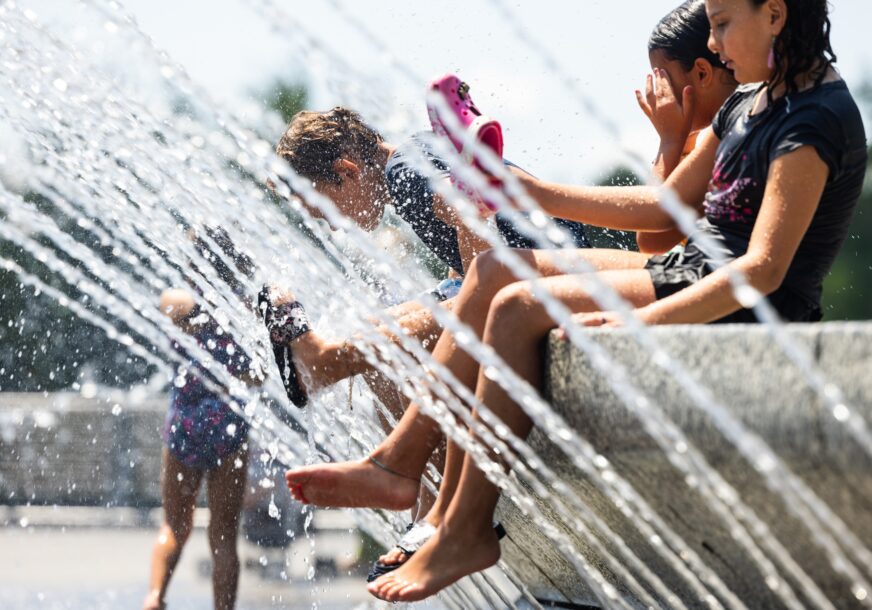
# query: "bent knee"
{"type": "Point", "coordinates": [489, 273]}
{"type": "Point", "coordinates": [513, 302]}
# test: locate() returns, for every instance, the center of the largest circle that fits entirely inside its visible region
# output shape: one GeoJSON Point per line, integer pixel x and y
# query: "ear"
{"type": "Point", "coordinates": [777, 16]}
{"type": "Point", "coordinates": [346, 169]}
{"type": "Point", "coordinates": [703, 72]}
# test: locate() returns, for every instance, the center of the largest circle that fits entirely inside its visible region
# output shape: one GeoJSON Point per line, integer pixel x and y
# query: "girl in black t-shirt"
{"type": "Point", "coordinates": [776, 180]}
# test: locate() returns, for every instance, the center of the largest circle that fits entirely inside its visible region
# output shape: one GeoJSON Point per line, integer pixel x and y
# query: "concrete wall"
{"type": "Point", "coordinates": [65, 449]}
{"type": "Point", "coordinates": [748, 374]}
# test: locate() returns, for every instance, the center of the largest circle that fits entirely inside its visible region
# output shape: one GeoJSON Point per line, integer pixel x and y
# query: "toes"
{"type": "Point", "coordinates": [395, 592]}
{"type": "Point", "coordinates": [379, 586]}
{"type": "Point", "coordinates": [410, 592]}
{"type": "Point", "coordinates": [392, 557]}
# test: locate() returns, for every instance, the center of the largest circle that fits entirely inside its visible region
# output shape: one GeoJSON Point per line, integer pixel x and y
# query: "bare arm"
{"type": "Point", "coordinates": [658, 242]}
{"type": "Point", "coordinates": [794, 187]}
{"type": "Point", "coordinates": [634, 208]}
{"type": "Point", "coordinates": [469, 242]}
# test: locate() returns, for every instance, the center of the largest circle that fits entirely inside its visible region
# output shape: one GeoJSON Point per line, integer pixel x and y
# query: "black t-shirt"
{"type": "Point", "coordinates": [824, 117]}
{"type": "Point", "coordinates": [413, 200]}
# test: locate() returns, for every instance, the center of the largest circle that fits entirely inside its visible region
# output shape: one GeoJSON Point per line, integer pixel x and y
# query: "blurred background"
{"type": "Point", "coordinates": [88, 532]}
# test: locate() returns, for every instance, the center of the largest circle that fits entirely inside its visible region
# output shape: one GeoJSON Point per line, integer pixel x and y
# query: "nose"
{"type": "Point", "coordinates": [712, 43]}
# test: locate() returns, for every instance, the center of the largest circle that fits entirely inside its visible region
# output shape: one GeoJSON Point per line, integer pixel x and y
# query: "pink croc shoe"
{"type": "Point", "coordinates": [487, 131]}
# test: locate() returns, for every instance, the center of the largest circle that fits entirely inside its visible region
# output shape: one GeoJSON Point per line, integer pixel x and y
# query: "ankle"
{"type": "Point", "coordinates": [405, 465]}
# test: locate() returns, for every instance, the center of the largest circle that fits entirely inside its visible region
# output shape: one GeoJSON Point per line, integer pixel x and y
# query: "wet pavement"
{"type": "Point", "coordinates": [52, 567]}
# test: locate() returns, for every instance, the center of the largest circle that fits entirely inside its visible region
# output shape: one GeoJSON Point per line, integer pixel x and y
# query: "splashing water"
{"type": "Point", "coordinates": [133, 179]}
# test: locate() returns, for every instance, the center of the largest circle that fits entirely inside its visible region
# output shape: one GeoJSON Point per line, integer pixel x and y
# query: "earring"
{"type": "Point", "coordinates": [771, 62]}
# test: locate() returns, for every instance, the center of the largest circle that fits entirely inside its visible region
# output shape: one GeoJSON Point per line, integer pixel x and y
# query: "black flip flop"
{"type": "Point", "coordinates": [285, 323]}
{"type": "Point", "coordinates": [409, 546]}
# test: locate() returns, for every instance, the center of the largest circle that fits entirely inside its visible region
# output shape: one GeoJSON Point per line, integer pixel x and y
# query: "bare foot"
{"type": "Point", "coordinates": [445, 559]}
{"type": "Point", "coordinates": [359, 484]}
{"type": "Point", "coordinates": [153, 602]}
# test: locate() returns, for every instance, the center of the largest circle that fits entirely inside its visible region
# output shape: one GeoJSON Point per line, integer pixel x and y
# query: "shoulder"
{"type": "Point", "coordinates": [416, 146]}
{"type": "Point", "coordinates": [829, 108]}
{"type": "Point", "coordinates": [835, 100]}
{"type": "Point", "coordinates": [733, 108]}
{"type": "Point", "coordinates": [828, 118]}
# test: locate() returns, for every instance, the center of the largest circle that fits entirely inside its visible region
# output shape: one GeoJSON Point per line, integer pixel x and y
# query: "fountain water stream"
{"type": "Point", "coordinates": [131, 178]}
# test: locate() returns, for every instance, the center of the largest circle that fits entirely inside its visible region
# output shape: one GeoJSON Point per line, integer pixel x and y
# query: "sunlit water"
{"type": "Point", "coordinates": [132, 177]}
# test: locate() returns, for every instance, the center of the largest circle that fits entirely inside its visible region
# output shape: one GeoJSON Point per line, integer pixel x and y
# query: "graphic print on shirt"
{"type": "Point", "coordinates": [724, 200]}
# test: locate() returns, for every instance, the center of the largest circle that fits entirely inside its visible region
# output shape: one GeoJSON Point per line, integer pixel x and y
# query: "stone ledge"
{"type": "Point", "coordinates": [756, 382]}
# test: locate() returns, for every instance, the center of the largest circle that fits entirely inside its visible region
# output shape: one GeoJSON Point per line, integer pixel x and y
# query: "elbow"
{"type": "Point", "coordinates": [766, 275]}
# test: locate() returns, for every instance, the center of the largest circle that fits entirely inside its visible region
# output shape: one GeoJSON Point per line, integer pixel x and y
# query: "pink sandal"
{"type": "Point", "coordinates": [487, 131]}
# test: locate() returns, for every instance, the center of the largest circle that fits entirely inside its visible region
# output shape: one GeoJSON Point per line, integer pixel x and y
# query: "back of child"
{"type": "Point", "coordinates": [412, 197]}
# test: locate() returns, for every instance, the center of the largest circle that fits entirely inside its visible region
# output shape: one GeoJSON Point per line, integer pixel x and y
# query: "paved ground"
{"type": "Point", "coordinates": [48, 567]}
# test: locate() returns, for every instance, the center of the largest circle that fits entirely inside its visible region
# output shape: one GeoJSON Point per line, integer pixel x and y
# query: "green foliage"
{"type": "Point", "coordinates": [287, 99]}
{"type": "Point", "coordinates": [45, 346]}
{"type": "Point", "coordinates": [609, 238]}
{"type": "Point", "coordinates": [848, 289]}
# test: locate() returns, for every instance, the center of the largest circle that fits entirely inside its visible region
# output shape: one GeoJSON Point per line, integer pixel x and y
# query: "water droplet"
{"type": "Point", "coordinates": [263, 560]}
{"type": "Point", "coordinates": [311, 573]}
{"type": "Point", "coordinates": [841, 412]}
{"type": "Point", "coordinates": [747, 296]}
{"type": "Point", "coordinates": [116, 409]}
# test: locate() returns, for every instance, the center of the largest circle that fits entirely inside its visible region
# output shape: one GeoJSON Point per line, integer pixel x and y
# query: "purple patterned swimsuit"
{"type": "Point", "coordinates": [200, 428]}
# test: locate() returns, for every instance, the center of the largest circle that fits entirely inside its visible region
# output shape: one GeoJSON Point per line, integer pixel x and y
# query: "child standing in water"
{"type": "Point", "coordinates": [205, 440]}
{"type": "Point", "coordinates": [776, 177]}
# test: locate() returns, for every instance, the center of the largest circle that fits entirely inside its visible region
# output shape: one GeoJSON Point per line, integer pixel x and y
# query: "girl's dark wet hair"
{"type": "Point", "coordinates": [683, 35]}
{"type": "Point", "coordinates": [803, 45]}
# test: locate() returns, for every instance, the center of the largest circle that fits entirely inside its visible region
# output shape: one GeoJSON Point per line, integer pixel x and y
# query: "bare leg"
{"type": "Point", "coordinates": [407, 449]}
{"type": "Point", "coordinates": [226, 489]}
{"type": "Point", "coordinates": [179, 490]}
{"type": "Point", "coordinates": [465, 542]}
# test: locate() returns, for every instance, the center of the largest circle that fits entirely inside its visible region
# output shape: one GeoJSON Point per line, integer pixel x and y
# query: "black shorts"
{"type": "Point", "coordinates": [678, 269]}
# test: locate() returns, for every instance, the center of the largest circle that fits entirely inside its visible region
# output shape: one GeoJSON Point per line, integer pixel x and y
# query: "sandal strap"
{"type": "Point", "coordinates": [416, 537]}
{"type": "Point", "coordinates": [290, 321]}
{"type": "Point", "coordinates": [390, 470]}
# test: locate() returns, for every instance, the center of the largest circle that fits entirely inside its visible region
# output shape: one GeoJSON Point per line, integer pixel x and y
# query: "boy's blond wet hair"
{"type": "Point", "coordinates": [315, 140]}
